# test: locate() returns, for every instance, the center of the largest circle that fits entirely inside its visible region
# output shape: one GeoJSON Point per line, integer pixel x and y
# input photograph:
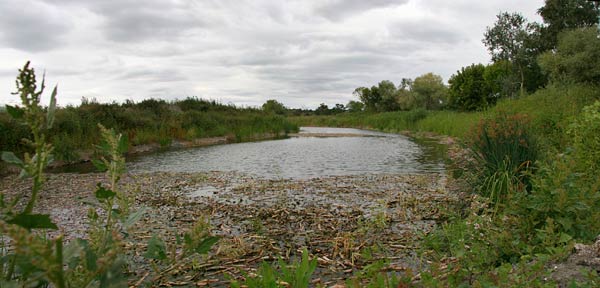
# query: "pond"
{"type": "Point", "coordinates": [313, 152]}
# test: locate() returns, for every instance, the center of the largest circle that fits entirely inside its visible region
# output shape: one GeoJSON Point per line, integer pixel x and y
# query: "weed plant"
{"type": "Point", "coordinates": [296, 274]}
{"type": "Point", "coordinates": [29, 257]}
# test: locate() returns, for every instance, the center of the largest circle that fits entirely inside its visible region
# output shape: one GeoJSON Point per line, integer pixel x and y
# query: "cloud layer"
{"type": "Point", "coordinates": [301, 53]}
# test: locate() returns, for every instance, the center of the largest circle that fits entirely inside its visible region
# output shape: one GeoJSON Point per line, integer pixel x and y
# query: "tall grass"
{"type": "Point", "coordinates": [505, 152]}
{"type": "Point", "coordinates": [149, 121]}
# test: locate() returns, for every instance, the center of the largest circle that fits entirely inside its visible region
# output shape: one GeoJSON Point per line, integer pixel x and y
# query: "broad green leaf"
{"type": "Point", "coordinates": [33, 221]}
{"type": "Point", "coordinates": [103, 193]}
{"type": "Point", "coordinates": [51, 109]}
{"type": "Point", "coordinates": [156, 249]}
{"type": "Point", "coordinates": [10, 157]}
{"type": "Point", "coordinates": [134, 217]}
{"type": "Point", "coordinates": [206, 244]}
{"type": "Point", "coordinates": [100, 166]}
{"type": "Point", "coordinates": [15, 111]}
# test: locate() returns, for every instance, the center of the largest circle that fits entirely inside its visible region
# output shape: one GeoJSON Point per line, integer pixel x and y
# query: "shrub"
{"type": "Point", "coordinates": [584, 133]}
{"type": "Point", "coordinates": [505, 152]}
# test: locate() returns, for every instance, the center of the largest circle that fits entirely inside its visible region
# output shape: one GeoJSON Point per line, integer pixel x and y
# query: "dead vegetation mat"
{"type": "Point", "coordinates": [346, 222]}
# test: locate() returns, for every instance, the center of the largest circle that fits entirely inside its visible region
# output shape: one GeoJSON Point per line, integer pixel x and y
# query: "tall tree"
{"type": "Point", "coordinates": [387, 90]}
{"type": "Point", "coordinates": [430, 91]}
{"type": "Point", "coordinates": [576, 59]}
{"type": "Point", "coordinates": [512, 38]}
{"type": "Point", "coordinates": [469, 90]}
{"type": "Point", "coordinates": [560, 15]}
{"type": "Point", "coordinates": [368, 97]}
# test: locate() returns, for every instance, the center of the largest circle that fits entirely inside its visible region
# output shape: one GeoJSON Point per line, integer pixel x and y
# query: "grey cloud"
{"type": "Point", "coordinates": [339, 9]}
{"type": "Point", "coordinates": [299, 52]}
{"type": "Point", "coordinates": [134, 21]}
{"type": "Point", "coordinates": [425, 31]}
{"type": "Point", "coordinates": [155, 75]}
{"type": "Point", "coordinates": [130, 25]}
{"type": "Point", "coordinates": [32, 26]}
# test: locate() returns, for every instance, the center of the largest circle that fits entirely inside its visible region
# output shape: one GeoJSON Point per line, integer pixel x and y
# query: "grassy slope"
{"type": "Point", "coordinates": [550, 110]}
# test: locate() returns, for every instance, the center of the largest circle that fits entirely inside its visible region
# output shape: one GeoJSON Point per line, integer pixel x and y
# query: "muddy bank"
{"type": "Point", "coordinates": [346, 222]}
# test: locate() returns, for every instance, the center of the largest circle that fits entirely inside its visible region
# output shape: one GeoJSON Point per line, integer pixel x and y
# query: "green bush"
{"type": "Point", "coordinates": [585, 132]}
{"type": "Point", "coordinates": [505, 152]}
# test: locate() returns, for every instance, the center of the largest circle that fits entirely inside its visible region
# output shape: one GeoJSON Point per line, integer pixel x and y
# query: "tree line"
{"type": "Point", "coordinates": [525, 57]}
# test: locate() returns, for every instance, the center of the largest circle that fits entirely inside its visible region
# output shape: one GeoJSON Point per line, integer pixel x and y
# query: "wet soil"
{"type": "Point", "coordinates": [347, 222]}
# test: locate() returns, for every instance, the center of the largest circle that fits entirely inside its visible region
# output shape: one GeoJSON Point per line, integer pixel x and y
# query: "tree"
{"type": "Point", "coordinates": [560, 15]}
{"type": "Point", "coordinates": [576, 59]}
{"type": "Point", "coordinates": [368, 98]}
{"type": "Point", "coordinates": [513, 39]}
{"type": "Point", "coordinates": [387, 90]}
{"type": "Point", "coordinates": [355, 106]}
{"type": "Point", "coordinates": [378, 98]}
{"type": "Point", "coordinates": [429, 91]}
{"type": "Point", "coordinates": [500, 80]}
{"type": "Point", "coordinates": [272, 106]}
{"type": "Point", "coordinates": [468, 89]}
{"type": "Point", "coordinates": [339, 108]}
{"type": "Point", "coordinates": [323, 109]}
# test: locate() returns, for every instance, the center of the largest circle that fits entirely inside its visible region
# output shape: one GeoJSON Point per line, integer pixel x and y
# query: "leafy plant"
{"type": "Point", "coordinates": [39, 122]}
{"type": "Point", "coordinates": [30, 259]}
{"type": "Point", "coordinates": [165, 258]}
{"type": "Point", "coordinates": [295, 274]}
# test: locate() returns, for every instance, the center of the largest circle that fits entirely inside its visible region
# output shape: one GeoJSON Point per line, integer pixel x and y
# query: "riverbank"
{"type": "Point", "coordinates": [149, 125]}
{"type": "Point", "coordinates": [347, 222]}
{"type": "Point", "coordinates": [145, 149]}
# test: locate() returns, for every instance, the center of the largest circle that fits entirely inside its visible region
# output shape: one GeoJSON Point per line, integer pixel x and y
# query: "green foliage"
{"type": "Point", "coordinates": [272, 106]}
{"type": "Point", "coordinates": [378, 98]}
{"type": "Point", "coordinates": [190, 245]}
{"type": "Point", "coordinates": [576, 59]}
{"type": "Point", "coordinates": [430, 91]}
{"type": "Point", "coordinates": [500, 80]}
{"type": "Point", "coordinates": [33, 221]}
{"type": "Point", "coordinates": [561, 15]}
{"type": "Point", "coordinates": [295, 274]}
{"type": "Point", "coordinates": [584, 133]}
{"type": "Point", "coordinates": [469, 90]}
{"type": "Point", "coordinates": [323, 109]}
{"type": "Point", "coordinates": [515, 40]}
{"type": "Point", "coordinates": [151, 121]}
{"type": "Point", "coordinates": [375, 276]}
{"type": "Point", "coordinates": [505, 152]}
{"type": "Point", "coordinates": [355, 106]}
{"type": "Point", "coordinates": [425, 92]}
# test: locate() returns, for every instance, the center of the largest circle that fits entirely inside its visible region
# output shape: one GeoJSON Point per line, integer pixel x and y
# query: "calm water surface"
{"type": "Point", "coordinates": [358, 152]}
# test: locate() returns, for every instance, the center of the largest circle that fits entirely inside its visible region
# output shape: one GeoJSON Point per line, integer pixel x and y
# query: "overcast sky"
{"type": "Point", "coordinates": [300, 53]}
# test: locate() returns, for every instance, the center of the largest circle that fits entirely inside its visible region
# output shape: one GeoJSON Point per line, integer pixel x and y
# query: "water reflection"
{"type": "Point", "coordinates": [358, 152]}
